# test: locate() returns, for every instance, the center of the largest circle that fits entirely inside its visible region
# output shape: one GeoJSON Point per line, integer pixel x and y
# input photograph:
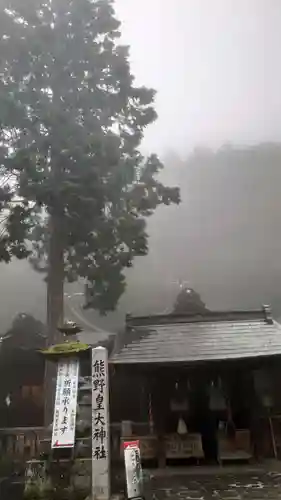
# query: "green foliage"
{"type": "Point", "coordinates": [42, 489]}
{"type": "Point", "coordinates": [71, 123]}
{"type": "Point", "coordinates": [38, 489]}
{"type": "Point", "coordinates": [67, 348]}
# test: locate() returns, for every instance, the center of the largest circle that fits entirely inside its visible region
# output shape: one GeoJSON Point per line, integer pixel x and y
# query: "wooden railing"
{"type": "Point", "coordinates": [21, 442]}
{"type": "Point", "coordinates": [27, 443]}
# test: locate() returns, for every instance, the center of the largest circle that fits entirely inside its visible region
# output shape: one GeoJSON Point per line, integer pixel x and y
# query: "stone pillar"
{"type": "Point", "coordinates": [100, 425]}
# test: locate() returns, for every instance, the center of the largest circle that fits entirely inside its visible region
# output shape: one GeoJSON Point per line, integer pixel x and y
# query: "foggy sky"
{"type": "Point", "coordinates": [216, 67]}
{"type": "Point", "coordinates": [215, 64]}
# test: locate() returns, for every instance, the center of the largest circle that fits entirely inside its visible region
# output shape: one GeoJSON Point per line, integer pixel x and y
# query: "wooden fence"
{"type": "Point", "coordinates": [21, 442]}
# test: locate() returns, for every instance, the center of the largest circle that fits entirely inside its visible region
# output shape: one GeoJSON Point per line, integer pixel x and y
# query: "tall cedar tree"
{"type": "Point", "coordinates": [73, 179]}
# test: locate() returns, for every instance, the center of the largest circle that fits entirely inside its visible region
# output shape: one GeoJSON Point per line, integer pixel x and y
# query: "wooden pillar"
{"type": "Point", "coordinates": [160, 401]}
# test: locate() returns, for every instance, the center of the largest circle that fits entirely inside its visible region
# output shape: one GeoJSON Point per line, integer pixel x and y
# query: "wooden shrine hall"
{"type": "Point", "coordinates": [198, 388]}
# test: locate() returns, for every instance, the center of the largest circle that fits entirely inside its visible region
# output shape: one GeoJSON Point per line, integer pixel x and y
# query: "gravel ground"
{"type": "Point", "coordinates": [215, 485]}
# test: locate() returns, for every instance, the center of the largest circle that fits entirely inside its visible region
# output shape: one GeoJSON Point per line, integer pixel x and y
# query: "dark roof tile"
{"type": "Point", "coordinates": [199, 341]}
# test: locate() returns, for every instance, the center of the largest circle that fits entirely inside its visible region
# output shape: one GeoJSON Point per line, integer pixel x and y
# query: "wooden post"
{"type": "Point", "coordinates": [100, 425]}
{"type": "Point", "coordinates": [272, 435]}
{"type": "Point", "coordinates": [159, 409]}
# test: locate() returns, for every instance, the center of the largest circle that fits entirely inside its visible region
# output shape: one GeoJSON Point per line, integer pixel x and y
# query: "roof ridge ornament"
{"type": "Point", "coordinates": [268, 314]}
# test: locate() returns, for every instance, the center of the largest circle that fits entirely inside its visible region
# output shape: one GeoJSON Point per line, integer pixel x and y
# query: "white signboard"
{"type": "Point", "coordinates": [133, 469]}
{"type": "Point", "coordinates": [65, 403]}
{"type": "Point", "coordinates": [100, 425]}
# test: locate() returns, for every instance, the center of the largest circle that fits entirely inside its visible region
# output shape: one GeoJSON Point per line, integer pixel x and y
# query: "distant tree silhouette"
{"type": "Point", "coordinates": [189, 301]}
{"type": "Point", "coordinates": [25, 332]}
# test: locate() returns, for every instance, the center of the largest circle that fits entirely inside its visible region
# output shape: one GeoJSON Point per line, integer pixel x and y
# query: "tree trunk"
{"type": "Point", "coordinates": [55, 312]}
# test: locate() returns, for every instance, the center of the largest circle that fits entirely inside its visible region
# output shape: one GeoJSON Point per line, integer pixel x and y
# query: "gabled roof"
{"type": "Point", "coordinates": [215, 336]}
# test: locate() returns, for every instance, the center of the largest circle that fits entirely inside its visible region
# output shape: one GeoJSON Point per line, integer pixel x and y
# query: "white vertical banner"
{"type": "Point", "coordinates": [133, 469]}
{"type": "Point", "coordinates": [100, 425]}
{"type": "Point", "coordinates": [66, 403]}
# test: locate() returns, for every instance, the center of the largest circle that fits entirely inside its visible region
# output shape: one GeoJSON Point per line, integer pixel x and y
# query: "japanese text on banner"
{"type": "Point", "coordinates": [65, 404]}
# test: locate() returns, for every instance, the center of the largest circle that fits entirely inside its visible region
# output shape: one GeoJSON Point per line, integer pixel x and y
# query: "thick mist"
{"type": "Point", "coordinates": [215, 66]}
